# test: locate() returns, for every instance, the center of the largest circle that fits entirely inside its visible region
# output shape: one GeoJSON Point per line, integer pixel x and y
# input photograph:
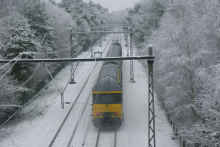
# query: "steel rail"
{"type": "Point", "coordinates": [115, 139]}
{"type": "Point", "coordinates": [69, 112]}
{"type": "Point", "coordinates": [97, 139]}
{"type": "Point", "coordinates": [73, 133]}
{"type": "Point", "coordinates": [20, 108]}
{"type": "Point", "coordinates": [62, 124]}
{"type": "Point", "coordinates": [98, 136]}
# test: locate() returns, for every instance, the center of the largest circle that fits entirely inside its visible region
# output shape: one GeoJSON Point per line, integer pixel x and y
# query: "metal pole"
{"type": "Point", "coordinates": [127, 44]}
{"type": "Point", "coordinates": [71, 42]}
{"type": "Point", "coordinates": [91, 51]}
{"type": "Point", "coordinates": [72, 74]}
{"type": "Point", "coordinates": [131, 61]}
{"type": "Point", "coordinates": [62, 100]}
{"type": "Point", "coordinates": [151, 115]}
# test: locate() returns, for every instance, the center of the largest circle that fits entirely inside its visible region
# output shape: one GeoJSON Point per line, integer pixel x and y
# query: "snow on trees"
{"type": "Point", "coordinates": [17, 38]}
{"type": "Point", "coordinates": [37, 16]}
{"type": "Point", "coordinates": [185, 35]}
{"type": "Point", "coordinates": [36, 26]}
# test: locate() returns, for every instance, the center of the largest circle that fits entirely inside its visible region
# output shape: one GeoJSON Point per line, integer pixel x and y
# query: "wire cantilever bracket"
{"type": "Point", "coordinates": [72, 73]}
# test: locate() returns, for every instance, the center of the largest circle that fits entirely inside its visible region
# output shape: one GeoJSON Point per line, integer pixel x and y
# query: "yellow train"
{"type": "Point", "coordinates": [107, 92]}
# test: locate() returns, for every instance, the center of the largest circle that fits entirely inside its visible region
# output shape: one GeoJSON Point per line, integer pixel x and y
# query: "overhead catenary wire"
{"type": "Point", "coordinates": [52, 77]}
{"type": "Point", "coordinates": [102, 80]}
{"type": "Point", "coordinates": [59, 50]}
{"type": "Point", "coordinates": [10, 106]}
{"type": "Point", "coordinates": [84, 137]}
{"type": "Point", "coordinates": [84, 125]}
{"type": "Point", "coordinates": [80, 110]}
{"type": "Point", "coordinates": [85, 98]}
{"type": "Point", "coordinates": [76, 65]}
{"type": "Point", "coordinates": [35, 69]}
{"type": "Point", "coordinates": [21, 85]}
{"type": "Point", "coordinates": [23, 106]}
{"type": "Point", "coordinates": [70, 78]}
{"type": "Point", "coordinates": [49, 72]}
{"type": "Point", "coordinates": [10, 68]}
{"type": "Point", "coordinates": [102, 84]}
{"type": "Point", "coordinates": [20, 108]}
{"type": "Point", "coordinates": [109, 71]}
{"type": "Point", "coordinates": [17, 88]}
{"type": "Point", "coordinates": [24, 82]}
{"type": "Point", "coordinates": [10, 61]}
{"type": "Point", "coordinates": [79, 47]}
{"type": "Point", "coordinates": [31, 75]}
{"type": "Point", "coordinates": [61, 92]}
{"type": "Point", "coordinates": [73, 103]}
{"type": "Point", "coordinates": [84, 134]}
{"type": "Point", "coordinates": [80, 25]}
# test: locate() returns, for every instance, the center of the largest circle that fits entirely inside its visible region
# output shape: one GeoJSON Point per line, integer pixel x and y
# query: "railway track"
{"type": "Point", "coordinates": [102, 137]}
{"type": "Point", "coordinates": [68, 114]}
{"type": "Point", "coordinates": [70, 111]}
{"type": "Point", "coordinates": [106, 137]}
{"type": "Point", "coordinates": [75, 121]}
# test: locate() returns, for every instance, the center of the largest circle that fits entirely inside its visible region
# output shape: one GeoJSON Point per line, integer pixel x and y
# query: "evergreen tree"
{"type": "Point", "coordinates": [85, 15]}
{"type": "Point", "coordinates": [186, 44]}
{"type": "Point", "coordinates": [17, 38]}
{"type": "Point", "coordinates": [144, 19]}
{"type": "Point", "coordinates": [37, 16]}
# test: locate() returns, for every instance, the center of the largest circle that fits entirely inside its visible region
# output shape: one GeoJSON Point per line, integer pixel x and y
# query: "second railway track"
{"type": "Point", "coordinates": [68, 127]}
{"type": "Point", "coordinates": [62, 129]}
{"type": "Point", "coordinates": [106, 138]}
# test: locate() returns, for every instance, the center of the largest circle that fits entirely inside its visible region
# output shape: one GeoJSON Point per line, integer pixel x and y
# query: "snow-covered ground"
{"type": "Point", "coordinates": [36, 124]}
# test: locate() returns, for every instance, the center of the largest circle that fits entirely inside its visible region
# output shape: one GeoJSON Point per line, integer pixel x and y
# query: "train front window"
{"type": "Point", "coordinates": [95, 98]}
{"type": "Point", "coordinates": [107, 98]}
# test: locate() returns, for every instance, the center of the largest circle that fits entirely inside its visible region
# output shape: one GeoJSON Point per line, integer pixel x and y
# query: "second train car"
{"type": "Point", "coordinates": [107, 92]}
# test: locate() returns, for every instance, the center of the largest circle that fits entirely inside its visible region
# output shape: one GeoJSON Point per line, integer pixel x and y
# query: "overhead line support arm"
{"type": "Point", "coordinates": [100, 32]}
{"type": "Point", "coordinates": [78, 59]}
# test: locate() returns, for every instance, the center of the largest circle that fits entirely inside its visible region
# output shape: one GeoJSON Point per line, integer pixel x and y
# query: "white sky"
{"type": "Point", "coordinates": [113, 5]}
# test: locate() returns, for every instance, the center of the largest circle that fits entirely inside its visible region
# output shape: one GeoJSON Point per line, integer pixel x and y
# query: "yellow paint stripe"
{"type": "Point", "coordinates": [108, 92]}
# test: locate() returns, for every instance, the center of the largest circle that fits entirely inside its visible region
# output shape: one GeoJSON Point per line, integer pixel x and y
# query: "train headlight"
{"type": "Point", "coordinates": [114, 113]}
{"type": "Point", "coordinates": [99, 113]}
